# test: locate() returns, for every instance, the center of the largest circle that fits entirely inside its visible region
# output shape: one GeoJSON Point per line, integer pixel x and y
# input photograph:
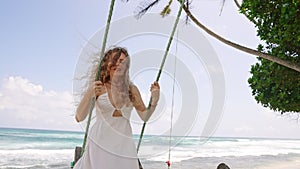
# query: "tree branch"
{"type": "Point", "coordinates": [242, 48]}
{"type": "Point", "coordinates": [237, 4]}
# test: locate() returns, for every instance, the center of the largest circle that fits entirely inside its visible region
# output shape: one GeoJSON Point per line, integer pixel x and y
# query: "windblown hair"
{"type": "Point", "coordinates": [110, 58]}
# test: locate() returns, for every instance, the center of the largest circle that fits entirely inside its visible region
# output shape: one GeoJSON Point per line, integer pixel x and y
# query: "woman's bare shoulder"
{"type": "Point", "coordinates": [133, 88]}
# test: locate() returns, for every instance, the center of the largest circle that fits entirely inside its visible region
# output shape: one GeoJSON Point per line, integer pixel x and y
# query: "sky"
{"type": "Point", "coordinates": [42, 44]}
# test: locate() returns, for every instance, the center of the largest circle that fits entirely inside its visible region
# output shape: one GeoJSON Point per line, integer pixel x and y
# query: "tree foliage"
{"type": "Point", "coordinates": [278, 25]}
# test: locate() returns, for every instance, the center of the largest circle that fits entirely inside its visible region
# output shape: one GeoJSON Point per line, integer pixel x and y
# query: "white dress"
{"type": "Point", "coordinates": [109, 144]}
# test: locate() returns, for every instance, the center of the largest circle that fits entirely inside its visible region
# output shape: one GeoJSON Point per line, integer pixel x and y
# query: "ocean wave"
{"type": "Point", "coordinates": [54, 149]}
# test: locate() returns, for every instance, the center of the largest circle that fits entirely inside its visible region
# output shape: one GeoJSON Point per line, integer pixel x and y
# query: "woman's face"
{"type": "Point", "coordinates": [120, 67]}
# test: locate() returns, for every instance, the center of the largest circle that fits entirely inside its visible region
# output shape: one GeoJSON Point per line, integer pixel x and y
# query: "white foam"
{"type": "Point", "coordinates": [33, 157]}
{"type": "Point", "coordinates": [219, 148]}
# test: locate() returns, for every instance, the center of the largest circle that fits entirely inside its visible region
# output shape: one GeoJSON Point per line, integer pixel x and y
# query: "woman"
{"type": "Point", "coordinates": [110, 144]}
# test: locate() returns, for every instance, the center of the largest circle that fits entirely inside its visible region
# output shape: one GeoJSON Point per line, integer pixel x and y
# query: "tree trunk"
{"type": "Point", "coordinates": [242, 48]}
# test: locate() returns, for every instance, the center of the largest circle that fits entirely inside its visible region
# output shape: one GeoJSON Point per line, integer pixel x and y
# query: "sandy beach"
{"type": "Point", "coordinates": [290, 164]}
{"type": "Point", "coordinates": [243, 162]}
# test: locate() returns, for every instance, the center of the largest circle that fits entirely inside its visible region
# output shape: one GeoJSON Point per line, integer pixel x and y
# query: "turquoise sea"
{"type": "Point", "coordinates": [41, 149]}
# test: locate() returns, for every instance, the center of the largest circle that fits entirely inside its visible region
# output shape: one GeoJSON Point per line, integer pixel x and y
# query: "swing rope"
{"type": "Point", "coordinates": [157, 78]}
{"type": "Point", "coordinates": [172, 106]}
{"type": "Point", "coordinates": [160, 70]}
{"type": "Point", "coordinates": [98, 72]}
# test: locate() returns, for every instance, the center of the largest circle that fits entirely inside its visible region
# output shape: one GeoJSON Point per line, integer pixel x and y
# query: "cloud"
{"type": "Point", "coordinates": [25, 104]}
{"type": "Point", "coordinates": [243, 129]}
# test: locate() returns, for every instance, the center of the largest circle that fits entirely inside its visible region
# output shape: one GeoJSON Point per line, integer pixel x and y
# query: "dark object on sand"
{"type": "Point", "coordinates": [76, 156]}
{"type": "Point", "coordinates": [140, 164]}
{"type": "Point", "coordinates": [222, 166]}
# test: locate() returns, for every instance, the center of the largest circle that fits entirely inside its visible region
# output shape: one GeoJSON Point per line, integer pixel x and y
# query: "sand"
{"type": "Point", "coordinates": [291, 164]}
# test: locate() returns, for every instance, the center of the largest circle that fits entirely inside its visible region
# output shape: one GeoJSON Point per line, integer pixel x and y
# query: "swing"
{"type": "Point", "coordinates": [80, 150]}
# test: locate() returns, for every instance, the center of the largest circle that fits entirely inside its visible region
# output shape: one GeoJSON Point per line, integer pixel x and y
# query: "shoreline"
{"type": "Point", "coordinates": [291, 164]}
{"type": "Point", "coordinates": [23, 147]}
{"type": "Point", "coordinates": [280, 161]}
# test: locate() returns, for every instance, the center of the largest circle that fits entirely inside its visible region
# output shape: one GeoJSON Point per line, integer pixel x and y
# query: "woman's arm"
{"type": "Point", "coordinates": [139, 104]}
{"type": "Point", "coordinates": [84, 106]}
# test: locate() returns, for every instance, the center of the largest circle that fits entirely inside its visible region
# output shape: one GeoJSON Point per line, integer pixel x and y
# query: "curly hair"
{"type": "Point", "coordinates": [110, 58]}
